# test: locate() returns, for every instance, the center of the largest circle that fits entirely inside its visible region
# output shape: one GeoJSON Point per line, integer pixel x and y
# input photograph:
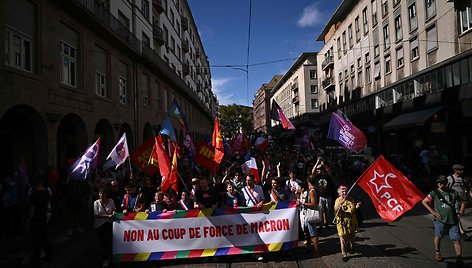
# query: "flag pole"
{"type": "Point", "coordinates": [130, 168]}
{"type": "Point", "coordinates": [361, 176]}
{"type": "Point", "coordinates": [149, 160]}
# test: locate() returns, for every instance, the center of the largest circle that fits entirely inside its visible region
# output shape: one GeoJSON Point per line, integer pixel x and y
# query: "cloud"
{"type": "Point", "coordinates": [218, 86]}
{"type": "Point", "coordinates": [312, 16]}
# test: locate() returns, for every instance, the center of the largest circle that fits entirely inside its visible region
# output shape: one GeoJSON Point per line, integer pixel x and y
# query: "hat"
{"type": "Point", "coordinates": [342, 187]}
{"type": "Point", "coordinates": [194, 180]}
{"type": "Point", "coordinates": [441, 179]}
{"type": "Point", "coordinates": [457, 166]}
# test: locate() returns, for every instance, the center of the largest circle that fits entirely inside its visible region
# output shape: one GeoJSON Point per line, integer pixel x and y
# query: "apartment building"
{"type": "Point", "coordinates": [261, 105]}
{"type": "Point", "coordinates": [401, 70]}
{"type": "Point", "coordinates": [76, 70]}
{"type": "Point", "coordinates": [297, 92]}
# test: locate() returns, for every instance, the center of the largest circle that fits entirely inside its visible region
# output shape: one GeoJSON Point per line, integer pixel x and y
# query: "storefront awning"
{"type": "Point", "coordinates": [413, 119]}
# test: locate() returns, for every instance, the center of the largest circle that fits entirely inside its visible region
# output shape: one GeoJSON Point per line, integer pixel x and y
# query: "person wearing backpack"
{"type": "Point", "coordinates": [441, 203]}
{"type": "Point", "coordinates": [456, 182]}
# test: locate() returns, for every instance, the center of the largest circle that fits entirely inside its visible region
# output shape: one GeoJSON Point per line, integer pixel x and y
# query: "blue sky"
{"type": "Point", "coordinates": [280, 31]}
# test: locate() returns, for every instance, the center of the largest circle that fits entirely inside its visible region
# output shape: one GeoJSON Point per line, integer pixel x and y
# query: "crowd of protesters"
{"type": "Point", "coordinates": [312, 178]}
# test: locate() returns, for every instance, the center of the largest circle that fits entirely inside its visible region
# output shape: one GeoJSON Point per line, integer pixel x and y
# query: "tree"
{"type": "Point", "coordinates": [235, 118]}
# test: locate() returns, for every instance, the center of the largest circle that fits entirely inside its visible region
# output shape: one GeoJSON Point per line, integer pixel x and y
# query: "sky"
{"type": "Point", "coordinates": [281, 30]}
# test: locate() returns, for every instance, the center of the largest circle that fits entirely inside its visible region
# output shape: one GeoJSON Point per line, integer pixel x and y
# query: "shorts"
{"type": "Point", "coordinates": [441, 228]}
{"type": "Point", "coordinates": [310, 230]}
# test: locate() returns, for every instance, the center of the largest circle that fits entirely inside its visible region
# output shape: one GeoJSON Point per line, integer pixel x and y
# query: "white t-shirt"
{"type": "Point", "coordinates": [98, 209]}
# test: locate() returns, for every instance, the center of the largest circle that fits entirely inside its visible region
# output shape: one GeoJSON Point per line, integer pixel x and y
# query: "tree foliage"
{"type": "Point", "coordinates": [234, 118]}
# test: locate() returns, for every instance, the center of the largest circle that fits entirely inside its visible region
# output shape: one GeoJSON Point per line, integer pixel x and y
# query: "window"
{"type": "Point", "coordinates": [357, 29]}
{"type": "Point", "coordinates": [386, 34]}
{"type": "Point", "coordinates": [146, 42]}
{"type": "Point", "coordinates": [123, 19]}
{"type": "Point", "coordinates": [374, 13]}
{"type": "Point", "coordinates": [314, 104]}
{"type": "Point", "coordinates": [414, 50]}
{"type": "Point", "coordinates": [314, 89]}
{"type": "Point", "coordinates": [360, 78]}
{"type": "Point", "coordinates": [412, 17]}
{"type": "Point", "coordinates": [398, 28]}
{"type": "Point", "coordinates": [377, 70]}
{"type": "Point", "coordinates": [359, 62]}
{"type": "Point", "coordinates": [375, 33]}
{"type": "Point", "coordinates": [145, 8]}
{"type": "Point", "coordinates": [465, 15]}
{"type": "Point", "coordinates": [18, 50]}
{"type": "Point", "coordinates": [159, 100]}
{"type": "Point", "coordinates": [367, 57]}
{"type": "Point", "coordinates": [430, 8]}
{"type": "Point", "coordinates": [344, 43]}
{"type": "Point", "coordinates": [368, 78]}
{"type": "Point", "coordinates": [123, 82]}
{"type": "Point", "coordinates": [165, 35]}
{"type": "Point", "coordinates": [20, 21]}
{"type": "Point", "coordinates": [100, 71]}
{"type": "Point", "coordinates": [365, 21]}
{"type": "Point", "coordinates": [312, 74]}
{"type": "Point", "coordinates": [349, 33]}
{"type": "Point", "coordinates": [68, 66]}
{"type": "Point", "coordinates": [172, 44]}
{"type": "Point", "coordinates": [432, 38]}
{"type": "Point", "coordinates": [396, 2]}
{"type": "Point", "coordinates": [146, 91]}
{"type": "Point", "coordinates": [388, 64]}
{"type": "Point", "coordinates": [171, 17]}
{"type": "Point", "coordinates": [384, 7]}
{"type": "Point", "coordinates": [339, 47]}
{"type": "Point", "coordinates": [400, 60]}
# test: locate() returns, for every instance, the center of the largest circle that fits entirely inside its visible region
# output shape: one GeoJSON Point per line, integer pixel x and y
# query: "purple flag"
{"type": "Point", "coordinates": [348, 135]}
{"type": "Point", "coordinates": [81, 168]}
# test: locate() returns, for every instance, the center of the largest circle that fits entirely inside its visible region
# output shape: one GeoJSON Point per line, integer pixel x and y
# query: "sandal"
{"type": "Point", "coordinates": [438, 257]}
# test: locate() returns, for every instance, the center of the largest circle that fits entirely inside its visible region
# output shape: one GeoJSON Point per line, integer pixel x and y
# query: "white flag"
{"type": "Point", "coordinates": [119, 153]}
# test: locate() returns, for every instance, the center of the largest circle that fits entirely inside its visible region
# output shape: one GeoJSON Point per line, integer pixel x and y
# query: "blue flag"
{"type": "Point", "coordinates": [82, 167]}
{"type": "Point", "coordinates": [168, 129]}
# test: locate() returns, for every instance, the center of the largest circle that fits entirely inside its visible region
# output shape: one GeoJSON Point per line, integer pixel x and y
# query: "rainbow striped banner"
{"type": "Point", "coordinates": [204, 233]}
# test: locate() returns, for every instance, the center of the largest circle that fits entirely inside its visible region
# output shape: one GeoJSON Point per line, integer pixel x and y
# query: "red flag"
{"type": "Point", "coordinates": [163, 159]}
{"type": "Point", "coordinates": [391, 192]}
{"type": "Point", "coordinates": [261, 143]}
{"type": "Point", "coordinates": [205, 157]}
{"type": "Point", "coordinates": [171, 180]}
{"type": "Point", "coordinates": [217, 142]}
{"type": "Point", "coordinates": [145, 157]}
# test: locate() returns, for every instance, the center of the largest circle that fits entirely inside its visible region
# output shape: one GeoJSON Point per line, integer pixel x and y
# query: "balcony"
{"type": "Point", "coordinates": [185, 46]}
{"type": "Point", "coordinates": [184, 22]}
{"type": "Point", "coordinates": [328, 62]}
{"type": "Point", "coordinates": [198, 70]}
{"type": "Point", "coordinates": [295, 86]}
{"type": "Point", "coordinates": [328, 83]}
{"type": "Point", "coordinates": [157, 4]}
{"type": "Point", "coordinates": [197, 53]}
{"type": "Point", "coordinates": [295, 99]}
{"type": "Point", "coordinates": [185, 69]}
{"type": "Point", "coordinates": [157, 35]}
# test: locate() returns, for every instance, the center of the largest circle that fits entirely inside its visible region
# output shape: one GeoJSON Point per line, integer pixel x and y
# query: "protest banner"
{"type": "Point", "coordinates": [202, 233]}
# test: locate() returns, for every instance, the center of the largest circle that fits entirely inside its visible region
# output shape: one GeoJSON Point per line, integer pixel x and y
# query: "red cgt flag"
{"type": "Point", "coordinates": [391, 192]}
{"type": "Point", "coordinates": [217, 142]}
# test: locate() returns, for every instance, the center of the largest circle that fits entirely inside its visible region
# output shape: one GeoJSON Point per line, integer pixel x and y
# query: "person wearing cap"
{"type": "Point", "coordinates": [195, 187]}
{"type": "Point", "coordinates": [441, 203]}
{"type": "Point", "coordinates": [456, 182]}
{"type": "Point", "coordinates": [346, 221]}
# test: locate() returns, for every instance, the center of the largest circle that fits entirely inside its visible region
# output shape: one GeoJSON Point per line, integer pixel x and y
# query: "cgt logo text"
{"type": "Point", "coordinates": [380, 181]}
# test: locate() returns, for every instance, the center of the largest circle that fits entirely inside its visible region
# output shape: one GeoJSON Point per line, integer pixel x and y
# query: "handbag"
{"type": "Point", "coordinates": [313, 216]}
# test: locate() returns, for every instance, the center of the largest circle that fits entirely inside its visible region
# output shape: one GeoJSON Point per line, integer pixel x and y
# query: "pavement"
{"type": "Point", "coordinates": [80, 249]}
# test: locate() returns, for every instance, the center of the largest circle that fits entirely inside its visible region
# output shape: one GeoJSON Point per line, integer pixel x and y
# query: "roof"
{"type": "Point", "coordinates": [339, 15]}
